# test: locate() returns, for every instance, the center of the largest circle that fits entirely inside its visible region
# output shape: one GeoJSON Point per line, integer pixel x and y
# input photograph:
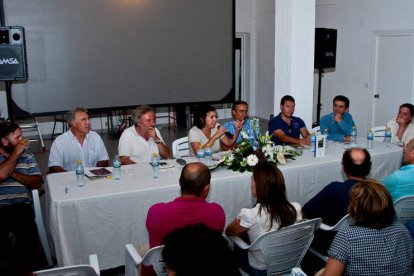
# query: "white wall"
{"type": "Point", "coordinates": [356, 21]}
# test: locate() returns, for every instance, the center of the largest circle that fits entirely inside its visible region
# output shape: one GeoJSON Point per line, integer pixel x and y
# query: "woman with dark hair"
{"type": "Point", "coordinates": [272, 211]}
{"type": "Point", "coordinates": [402, 127]}
{"type": "Point", "coordinates": [375, 245]}
{"type": "Point", "coordinates": [206, 131]}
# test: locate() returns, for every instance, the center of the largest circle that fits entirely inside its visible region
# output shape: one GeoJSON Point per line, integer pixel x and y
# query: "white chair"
{"type": "Point", "coordinates": [283, 249]}
{"type": "Point", "coordinates": [316, 130]}
{"type": "Point", "coordinates": [379, 133]}
{"type": "Point", "coordinates": [133, 260]}
{"type": "Point", "coordinates": [82, 270]}
{"type": "Point", "coordinates": [180, 147]}
{"type": "Point", "coordinates": [41, 226]}
{"type": "Point", "coordinates": [404, 208]}
{"type": "Point", "coordinates": [344, 222]}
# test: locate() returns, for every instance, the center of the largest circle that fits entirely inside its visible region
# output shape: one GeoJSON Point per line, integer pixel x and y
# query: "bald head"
{"type": "Point", "coordinates": [194, 178]}
{"type": "Point", "coordinates": [409, 152]}
{"type": "Point", "coordinates": [356, 162]}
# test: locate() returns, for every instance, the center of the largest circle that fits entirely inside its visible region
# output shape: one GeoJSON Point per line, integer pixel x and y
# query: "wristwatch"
{"type": "Point", "coordinates": [157, 141]}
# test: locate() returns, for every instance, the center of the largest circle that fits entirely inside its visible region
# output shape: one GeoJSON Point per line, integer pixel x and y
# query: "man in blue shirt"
{"type": "Point", "coordinates": [401, 182]}
{"type": "Point", "coordinates": [240, 114]}
{"type": "Point", "coordinates": [339, 123]}
{"type": "Point", "coordinates": [286, 128]}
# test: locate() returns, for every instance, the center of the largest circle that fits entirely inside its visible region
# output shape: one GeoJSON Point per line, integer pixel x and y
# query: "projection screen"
{"type": "Point", "coordinates": [120, 53]}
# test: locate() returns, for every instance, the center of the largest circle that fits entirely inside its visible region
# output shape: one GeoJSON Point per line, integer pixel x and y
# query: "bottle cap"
{"type": "Point", "coordinates": [154, 154]}
{"type": "Point", "coordinates": [208, 145]}
{"type": "Point", "coordinates": [78, 161]}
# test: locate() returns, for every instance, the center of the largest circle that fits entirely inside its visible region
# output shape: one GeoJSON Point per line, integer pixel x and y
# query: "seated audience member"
{"type": "Point", "coordinates": [138, 142]}
{"type": "Point", "coordinates": [376, 245]}
{"type": "Point", "coordinates": [410, 226]}
{"type": "Point", "coordinates": [401, 182]}
{"type": "Point", "coordinates": [19, 173]}
{"type": "Point", "coordinates": [402, 127]}
{"type": "Point", "coordinates": [206, 130]}
{"type": "Point", "coordinates": [186, 251]}
{"type": "Point", "coordinates": [190, 208]}
{"type": "Point", "coordinates": [78, 143]}
{"type": "Point", "coordinates": [331, 203]}
{"type": "Point", "coordinates": [339, 123]}
{"type": "Point", "coordinates": [240, 114]}
{"type": "Point", "coordinates": [285, 127]}
{"type": "Point", "coordinates": [272, 211]}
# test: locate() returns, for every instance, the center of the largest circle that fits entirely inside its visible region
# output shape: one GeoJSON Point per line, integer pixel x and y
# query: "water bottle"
{"type": "Point", "coordinates": [79, 173]}
{"type": "Point", "coordinates": [325, 134]}
{"type": "Point", "coordinates": [387, 138]}
{"type": "Point", "coordinates": [155, 163]}
{"type": "Point", "coordinates": [207, 154]}
{"type": "Point", "coordinates": [312, 142]}
{"type": "Point", "coordinates": [200, 153]}
{"type": "Point", "coordinates": [353, 136]}
{"type": "Point", "coordinates": [370, 139]}
{"type": "Point", "coordinates": [116, 168]}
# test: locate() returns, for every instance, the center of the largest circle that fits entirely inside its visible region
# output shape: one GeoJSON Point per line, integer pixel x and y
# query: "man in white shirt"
{"type": "Point", "coordinates": [78, 143]}
{"type": "Point", "coordinates": [140, 141]}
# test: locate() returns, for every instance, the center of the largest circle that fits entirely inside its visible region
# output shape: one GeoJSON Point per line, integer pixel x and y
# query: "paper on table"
{"type": "Point", "coordinates": [101, 172]}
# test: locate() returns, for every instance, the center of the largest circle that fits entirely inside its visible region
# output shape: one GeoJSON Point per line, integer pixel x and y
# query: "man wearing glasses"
{"type": "Point", "coordinates": [286, 128]}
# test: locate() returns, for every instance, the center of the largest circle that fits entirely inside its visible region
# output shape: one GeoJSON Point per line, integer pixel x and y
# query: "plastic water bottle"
{"type": "Point", "coordinates": [79, 173]}
{"type": "Point", "coordinates": [207, 154]}
{"type": "Point", "coordinates": [200, 153]}
{"type": "Point", "coordinates": [353, 136]}
{"type": "Point", "coordinates": [155, 163]}
{"type": "Point", "coordinates": [312, 142]}
{"type": "Point", "coordinates": [387, 138]}
{"type": "Point", "coordinates": [370, 139]}
{"type": "Point", "coordinates": [325, 134]}
{"type": "Point", "coordinates": [116, 168]}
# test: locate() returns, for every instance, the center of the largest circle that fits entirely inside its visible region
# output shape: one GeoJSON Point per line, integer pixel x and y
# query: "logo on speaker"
{"type": "Point", "coordinates": [8, 61]}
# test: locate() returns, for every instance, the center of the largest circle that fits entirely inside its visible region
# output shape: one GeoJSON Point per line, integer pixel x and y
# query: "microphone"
{"type": "Point", "coordinates": [228, 134]}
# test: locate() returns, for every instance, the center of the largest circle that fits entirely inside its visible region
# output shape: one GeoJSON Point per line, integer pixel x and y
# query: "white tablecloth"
{"type": "Point", "coordinates": [106, 214]}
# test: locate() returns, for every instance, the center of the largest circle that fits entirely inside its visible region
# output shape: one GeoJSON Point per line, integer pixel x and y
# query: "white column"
{"type": "Point", "coordinates": [294, 55]}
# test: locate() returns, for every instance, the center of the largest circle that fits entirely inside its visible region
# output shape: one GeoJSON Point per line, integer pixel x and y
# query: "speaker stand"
{"type": "Point", "coordinates": [10, 107]}
{"type": "Point", "coordinates": [319, 105]}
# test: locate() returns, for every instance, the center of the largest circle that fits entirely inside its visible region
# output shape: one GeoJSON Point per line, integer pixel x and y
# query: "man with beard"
{"type": "Point", "coordinates": [19, 173]}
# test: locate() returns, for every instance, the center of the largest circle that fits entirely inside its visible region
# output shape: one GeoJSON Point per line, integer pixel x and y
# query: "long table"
{"type": "Point", "coordinates": [104, 215]}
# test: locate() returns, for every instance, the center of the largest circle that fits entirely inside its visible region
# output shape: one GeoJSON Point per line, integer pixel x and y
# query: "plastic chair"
{"type": "Point", "coordinates": [41, 226]}
{"type": "Point", "coordinates": [344, 222]}
{"type": "Point", "coordinates": [133, 259]}
{"type": "Point", "coordinates": [379, 133]}
{"type": "Point", "coordinates": [283, 249]}
{"type": "Point", "coordinates": [82, 270]}
{"type": "Point", "coordinates": [180, 147]}
{"type": "Point", "coordinates": [404, 208]}
{"type": "Point", "coordinates": [316, 130]}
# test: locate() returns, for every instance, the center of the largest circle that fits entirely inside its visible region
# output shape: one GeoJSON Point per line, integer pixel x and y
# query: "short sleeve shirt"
{"type": "Point", "coordinates": [367, 251]}
{"type": "Point", "coordinates": [292, 130]}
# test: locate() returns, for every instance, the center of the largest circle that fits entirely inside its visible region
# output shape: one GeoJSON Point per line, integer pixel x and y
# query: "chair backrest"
{"type": "Point", "coordinates": [379, 132]}
{"type": "Point", "coordinates": [180, 147]}
{"type": "Point", "coordinates": [404, 208]}
{"type": "Point", "coordinates": [153, 257]}
{"type": "Point", "coordinates": [284, 249]}
{"type": "Point", "coordinates": [82, 270]}
{"type": "Point", "coordinates": [41, 226]}
{"type": "Point", "coordinates": [316, 130]}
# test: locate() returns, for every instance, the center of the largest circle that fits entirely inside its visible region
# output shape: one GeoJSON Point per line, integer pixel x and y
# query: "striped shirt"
{"type": "Point", "coordinates": [11, 191]}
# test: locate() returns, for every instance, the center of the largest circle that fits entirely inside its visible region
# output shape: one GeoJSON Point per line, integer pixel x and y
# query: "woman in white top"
{"type": "Point", "coordinates": [206, 130]}
{"type": "Point", "coordinates": [402, 127]}
{"type": "Point", "coordinates": [272, 211]}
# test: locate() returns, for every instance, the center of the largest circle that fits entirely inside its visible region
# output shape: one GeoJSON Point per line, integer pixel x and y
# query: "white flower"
{"type": "Point", "coordinates": [244, 135]}
{"type": "Point", "coordinates": [252, 160]}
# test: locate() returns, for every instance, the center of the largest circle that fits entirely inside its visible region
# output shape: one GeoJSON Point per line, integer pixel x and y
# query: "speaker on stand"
{"type": "Point", "coordinates": [13, 64]}
{"type": "Point", "coordinates": [325, 57]}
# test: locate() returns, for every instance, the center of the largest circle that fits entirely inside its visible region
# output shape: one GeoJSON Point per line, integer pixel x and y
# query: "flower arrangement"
{"type": "Point", "coordinates": [249, 151]}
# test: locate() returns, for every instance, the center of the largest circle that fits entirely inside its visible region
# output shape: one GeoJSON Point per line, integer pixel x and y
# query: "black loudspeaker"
{"type": "Point", "coordinates": [325, 48]}
{"type": "Point", "coordinates": [12, 54]}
